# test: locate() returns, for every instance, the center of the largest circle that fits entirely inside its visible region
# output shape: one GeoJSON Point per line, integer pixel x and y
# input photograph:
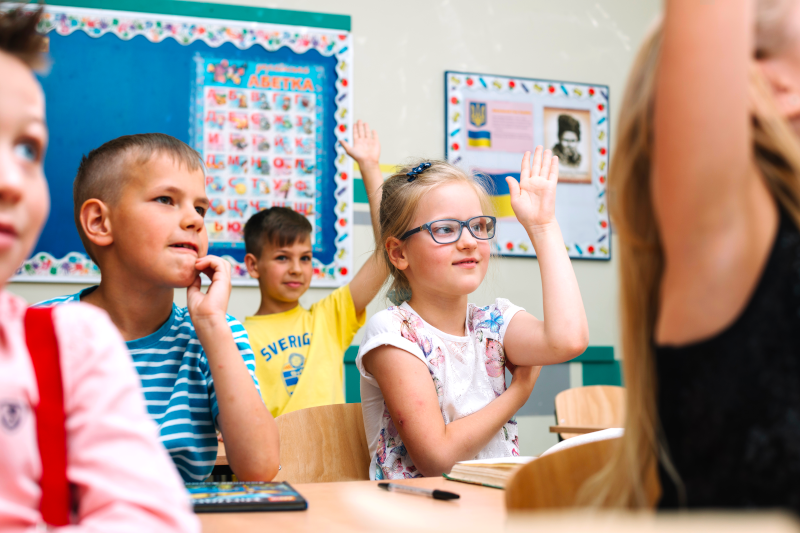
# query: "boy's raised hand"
{"type": "Point", "coordinates": [214, 302]}
{"type": "Point", "coordinates": [366, 150]}
{"type": "Point", "coordinates": [533, 198]}
{"type": "Point", "coordinates": [366, 147]}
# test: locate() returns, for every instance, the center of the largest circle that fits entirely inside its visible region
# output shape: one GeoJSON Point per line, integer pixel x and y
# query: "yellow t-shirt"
{"type": "Point", "coordinates": [299, 353]}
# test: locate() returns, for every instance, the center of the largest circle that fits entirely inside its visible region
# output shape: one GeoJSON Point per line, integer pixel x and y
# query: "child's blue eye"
{"type": "Point", "coordinates": [26, 151]}
{"type": "Point", "coordinates": [306, 258]}
{"type": "Point", "coordinates": [201, 211]}
{"type": "Point", "coordinates": [164, 200]}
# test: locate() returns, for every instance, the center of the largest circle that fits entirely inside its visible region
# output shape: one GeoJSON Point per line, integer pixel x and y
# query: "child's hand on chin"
{"type": "Point", "coordinates": [213, 304]}
{"type": "Point", "coordinates": [533, 197]}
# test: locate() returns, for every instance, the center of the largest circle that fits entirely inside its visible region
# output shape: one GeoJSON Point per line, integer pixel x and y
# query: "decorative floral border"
{"type": "Point", "coordinates": [72, 265]}
{"type": "Point", "coordinates": [458, 86]}
{"type": "Point", "coordinates": [186, 30]}
{"type": "Point", "coordinates": [77, 266]}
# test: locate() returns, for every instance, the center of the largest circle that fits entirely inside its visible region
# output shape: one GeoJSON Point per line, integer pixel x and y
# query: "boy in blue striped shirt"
{"type": "Point", "coordinates": [139, 207]}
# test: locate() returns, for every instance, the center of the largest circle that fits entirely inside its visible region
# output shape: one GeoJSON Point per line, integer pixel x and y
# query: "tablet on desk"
{"type": "Point", "coordinates": [241, 496]}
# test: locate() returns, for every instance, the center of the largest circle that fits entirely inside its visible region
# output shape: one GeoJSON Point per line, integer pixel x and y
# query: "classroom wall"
{"type": "Point", "coordinates": [401, 52]}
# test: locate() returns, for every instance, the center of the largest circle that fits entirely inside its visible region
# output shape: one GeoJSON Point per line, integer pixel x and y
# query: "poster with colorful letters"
{"type": "Point", "coordinates": [491, 121]}
{"type": "Point", "coordinates": [259, 131]}
{"type": "Point", "coordinates": [265, 104]}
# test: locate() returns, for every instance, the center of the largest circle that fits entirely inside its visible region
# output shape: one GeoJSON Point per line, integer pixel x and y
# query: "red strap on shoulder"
{"type": "Point", "coordinates": [50, 419]}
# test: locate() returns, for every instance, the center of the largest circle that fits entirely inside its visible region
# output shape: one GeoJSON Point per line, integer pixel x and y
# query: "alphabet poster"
{"type": "Point", "coordinates": [259, 129]}
{"type": "Point", "coordinates": [491, 121]}
{"type": "Point", "coordinates": [265, 104]}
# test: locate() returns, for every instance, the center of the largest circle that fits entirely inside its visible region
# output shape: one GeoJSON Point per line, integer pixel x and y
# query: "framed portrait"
{"type": "Point", "coordinates": [491, 121]}
{"type": "Point", "coordinates": [567, 133]}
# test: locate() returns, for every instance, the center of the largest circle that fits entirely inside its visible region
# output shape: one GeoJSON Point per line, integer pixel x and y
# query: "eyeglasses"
{"type": "Point", "coordinates": [448, 230]}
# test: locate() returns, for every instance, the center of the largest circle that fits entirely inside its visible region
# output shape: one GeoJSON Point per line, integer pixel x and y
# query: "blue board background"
{"type": "Point", "coordinates": [102, 87]}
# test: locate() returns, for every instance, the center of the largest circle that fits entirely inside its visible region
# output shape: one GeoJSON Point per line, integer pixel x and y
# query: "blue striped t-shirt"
{"type": "Point", "coordinates": [178, 387]}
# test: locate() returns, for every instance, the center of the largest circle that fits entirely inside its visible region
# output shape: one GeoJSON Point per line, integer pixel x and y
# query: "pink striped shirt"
{"type": "Point", "coordinates": [123, 478]}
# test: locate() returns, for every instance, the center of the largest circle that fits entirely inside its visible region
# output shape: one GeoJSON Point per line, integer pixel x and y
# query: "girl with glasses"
{"type": "Point", "coordinates": [432, 367]}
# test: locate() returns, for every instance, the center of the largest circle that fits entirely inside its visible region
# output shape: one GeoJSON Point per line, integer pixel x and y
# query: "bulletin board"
{"type": "Point", "coordinates": [263, 94]}
{"type": "Point", "coordinates": [491, 121]}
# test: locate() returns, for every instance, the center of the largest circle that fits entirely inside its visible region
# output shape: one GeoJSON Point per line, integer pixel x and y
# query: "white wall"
{"type": "Point", "coordinates": [401, 51]}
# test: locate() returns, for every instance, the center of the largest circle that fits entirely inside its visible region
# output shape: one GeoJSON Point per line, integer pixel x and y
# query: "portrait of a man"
{"type": "Point", "coordinates": [567, 135]}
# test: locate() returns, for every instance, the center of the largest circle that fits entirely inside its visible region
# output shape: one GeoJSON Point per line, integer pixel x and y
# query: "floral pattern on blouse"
{"type": "Point", "coordinates": [479, 356]}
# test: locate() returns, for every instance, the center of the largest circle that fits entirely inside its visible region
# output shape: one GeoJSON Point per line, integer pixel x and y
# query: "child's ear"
{"type": "Point", "coordinates": [96, 223]}
{"type": "Point", "coordinates": [397, 253]}
{"type": "Point", "coordinates": [251, 262]}
{"type": "Point", "coordinates": [782, 81]}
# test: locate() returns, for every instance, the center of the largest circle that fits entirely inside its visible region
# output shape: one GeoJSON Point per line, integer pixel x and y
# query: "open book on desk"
{"type": "Point", "coordinates": [493, 472]}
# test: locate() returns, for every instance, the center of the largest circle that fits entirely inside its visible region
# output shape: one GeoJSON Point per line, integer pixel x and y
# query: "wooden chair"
{"type": "Point", "coordinates": [323, 444]}
{"type": "Point", "coordinates": [553, 481]}
{"type": "Point", "coordinates": [599, 405]}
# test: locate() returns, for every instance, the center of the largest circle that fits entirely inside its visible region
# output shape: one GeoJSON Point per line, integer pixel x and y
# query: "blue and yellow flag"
{"type": "Point", "coordinates": [479, 139]}
{"type": "Point", "coordinates": [501, 196]}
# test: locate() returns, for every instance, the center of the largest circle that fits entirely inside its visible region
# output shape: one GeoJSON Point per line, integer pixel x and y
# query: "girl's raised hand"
{"type": "Point", "coordinates": [533, 197]}
{"type": "Point", "coordinates": [366, 147]}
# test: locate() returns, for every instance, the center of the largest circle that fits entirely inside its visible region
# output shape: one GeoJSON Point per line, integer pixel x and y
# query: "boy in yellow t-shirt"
{"type": "Point", "coordinates": [299, 352]}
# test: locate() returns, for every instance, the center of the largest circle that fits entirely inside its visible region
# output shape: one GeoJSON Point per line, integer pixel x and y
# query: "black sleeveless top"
{"type": "Point", "coordinates": [730, 406]}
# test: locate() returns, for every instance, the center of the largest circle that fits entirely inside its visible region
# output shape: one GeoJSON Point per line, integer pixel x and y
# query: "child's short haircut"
{"type": "Point", "coordinates": [101, 174]}
{"type": "Point", "coordinates": [279, 226]}
{"type": "Point", "coordinates": [19, 38]}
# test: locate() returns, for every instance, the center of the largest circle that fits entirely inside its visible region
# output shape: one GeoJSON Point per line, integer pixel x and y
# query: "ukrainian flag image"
{"type": "Point", "coordinates": [501, 196]}
{"type": "Point", "coordinates": [479, 139]}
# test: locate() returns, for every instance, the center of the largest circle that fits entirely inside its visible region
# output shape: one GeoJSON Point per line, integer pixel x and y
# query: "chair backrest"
{"type": "Point", "coordinates": [553, 481]}
{"type": "Point", "coordinates": [323, 444]}
{"type": "Point", "coordinates": [598, 405]}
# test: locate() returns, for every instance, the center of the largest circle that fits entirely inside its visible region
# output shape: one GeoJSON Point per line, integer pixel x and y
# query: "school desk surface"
{"type": "Point", "coordinates": [357, 506]}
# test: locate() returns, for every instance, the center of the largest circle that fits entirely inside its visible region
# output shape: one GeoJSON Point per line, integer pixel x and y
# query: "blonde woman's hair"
{"type": "Point", "coordinates": [630, 478]}
{"type": "Point", "coordinates": [400, 198]}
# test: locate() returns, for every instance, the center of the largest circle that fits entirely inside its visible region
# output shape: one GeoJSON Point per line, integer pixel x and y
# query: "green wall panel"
{"type": "Point", "coordinates": [602, 374]}
{"type": "Point", "coordinates": [359, 192]}
{"type": "Point", "coordinates": [352, 378]}
{"type": "Point", "coordinates": [595, 354]}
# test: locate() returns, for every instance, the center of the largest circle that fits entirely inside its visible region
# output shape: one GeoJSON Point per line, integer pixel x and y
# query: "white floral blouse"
{"type": "Point", "coordinates": [468, 373]}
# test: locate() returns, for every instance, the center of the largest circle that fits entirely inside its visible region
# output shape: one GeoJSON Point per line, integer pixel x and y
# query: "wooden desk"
{"type": "Point", "coordinates": [356, 506]}
{"type": "Point", "coordinates": [575, 429]}
{"type": "Point", "coordinates": [360, 506]}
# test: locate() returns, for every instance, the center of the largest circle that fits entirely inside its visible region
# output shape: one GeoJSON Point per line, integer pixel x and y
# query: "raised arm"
{"type": "Point", "coordinates": [410, 396]}
{"type": "Point", "coordinates": [702, 156]}
{"type": "Point", "coordinates": [366, 150]}
{"type": "Point", "coordinates": [564, 332]}
{"type": "Point", "coordinates": [715, 215]}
